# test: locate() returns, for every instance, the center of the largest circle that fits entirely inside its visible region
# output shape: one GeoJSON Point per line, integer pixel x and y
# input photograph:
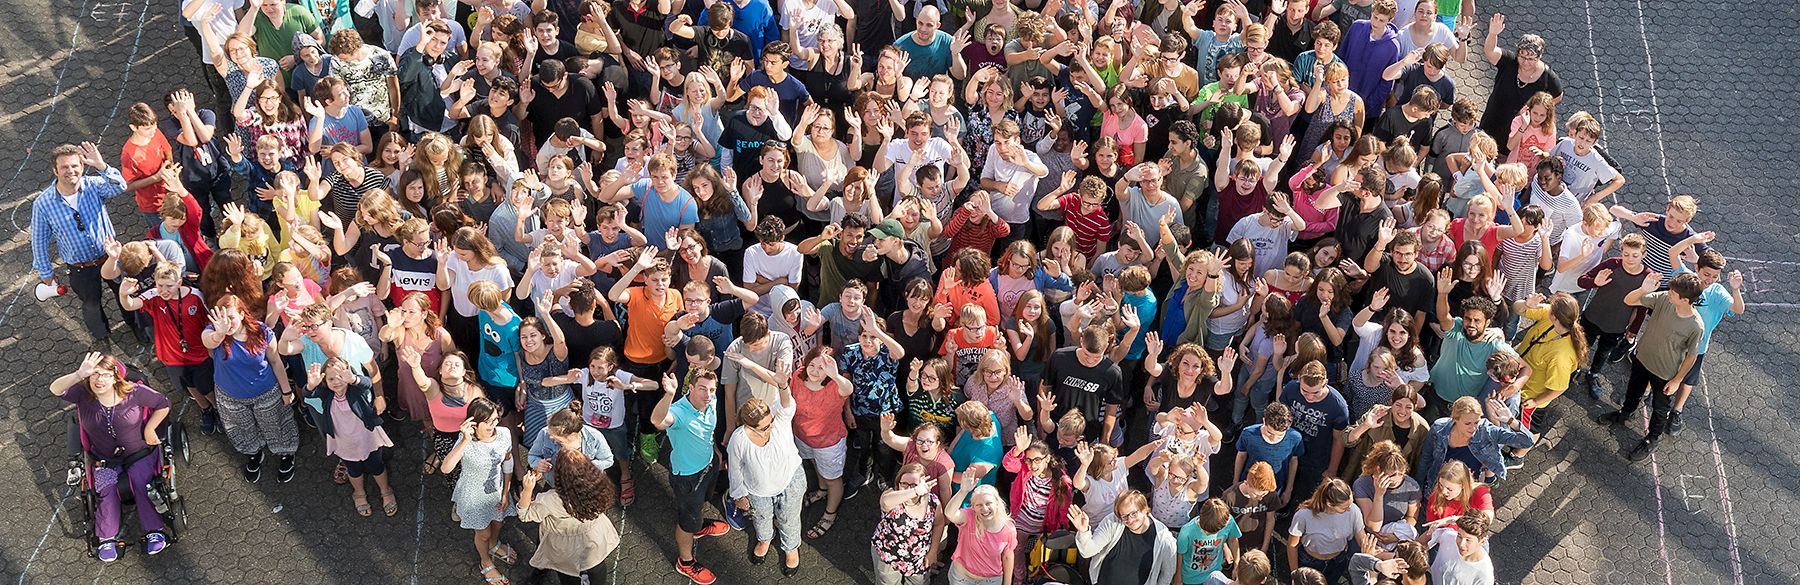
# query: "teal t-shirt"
{"type": "Point", "coordinates": [1203, 552]}
{"type": "Point", "coordinates": [691, 437]}
{"type": "Point", "coordinates": [1461, 369]}
{"type": "Point", "coordinates": [498, 363]}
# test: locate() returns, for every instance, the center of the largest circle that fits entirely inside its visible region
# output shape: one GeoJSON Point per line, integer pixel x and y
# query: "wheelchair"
{"type": "Point", "coordinates": [164, 493]}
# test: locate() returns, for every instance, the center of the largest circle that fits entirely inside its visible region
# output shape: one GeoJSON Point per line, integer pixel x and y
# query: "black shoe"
{"type": "Point", "coordinates": [850, 491]}
{"type": "Point", "coordinates": [284, 470]}
{"type": "Point", "coordinates": [756, 560]}
{"type": "Point", "coordinates": [209, 421]}
{"type": "Point", "coordinates": [787, 571]}
{"type": "Point", "coordinates": [1616, 417]}
{"type": "Point", "coordinates": [253, 467]}
{"type": "Point", "coordinates": [1618, 355]}
{"type": "Point", "coordinates": [1674, 421]}
{"type": "Point", "coordinates": [1641, 451]}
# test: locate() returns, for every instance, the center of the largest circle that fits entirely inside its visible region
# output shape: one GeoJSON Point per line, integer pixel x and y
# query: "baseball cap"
{"type": "Point", "coordinates": [888, 228]}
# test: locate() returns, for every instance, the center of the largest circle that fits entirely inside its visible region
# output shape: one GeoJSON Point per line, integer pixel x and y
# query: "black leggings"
{"type": "Point", "coordinates": [1600, 344]}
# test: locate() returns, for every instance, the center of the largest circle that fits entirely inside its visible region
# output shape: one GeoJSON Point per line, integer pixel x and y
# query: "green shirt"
{"type": "Point", "coordinates": [276, 42]}
{"type": "Point", "coordinates": [1211, 89]}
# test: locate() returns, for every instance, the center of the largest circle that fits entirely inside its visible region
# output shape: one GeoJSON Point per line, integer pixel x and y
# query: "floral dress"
{"type": "Point", "coordinates": [979, 135]}
{"type": "Point", "coordinates": [877, 390]}
{"type": "Point", "coordinates": [541, 400]}
{"type": "Point", "coordinates": [901, 540]}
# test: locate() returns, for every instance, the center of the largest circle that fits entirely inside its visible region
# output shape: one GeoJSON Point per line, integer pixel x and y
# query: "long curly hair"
{"type": "Point", "coordinates": [232, 273]}
{"type": "Point", "coordinates": [586, 491]}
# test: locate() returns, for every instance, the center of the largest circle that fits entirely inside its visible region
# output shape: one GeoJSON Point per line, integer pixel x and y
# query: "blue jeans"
{"type": "Point", "coordinates": [1260, 393]}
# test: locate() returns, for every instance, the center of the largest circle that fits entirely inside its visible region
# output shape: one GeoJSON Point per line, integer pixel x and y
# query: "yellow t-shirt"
{"type": "Point", "coordinates": [1551, 355]}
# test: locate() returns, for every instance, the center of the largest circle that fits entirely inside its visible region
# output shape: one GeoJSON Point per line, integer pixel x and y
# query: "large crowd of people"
{"type": "Point", "coordinates": [1185, 292]}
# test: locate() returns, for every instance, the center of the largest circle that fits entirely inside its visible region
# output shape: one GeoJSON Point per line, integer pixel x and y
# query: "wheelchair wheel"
{"type": "Point", "coordinates": [90, 503]}
{"type": "Point", "coordinates": [176, 441]}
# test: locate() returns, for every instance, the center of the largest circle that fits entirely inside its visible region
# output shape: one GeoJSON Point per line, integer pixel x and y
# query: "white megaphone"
{"type": "Point", "coordinates": [46, 291]}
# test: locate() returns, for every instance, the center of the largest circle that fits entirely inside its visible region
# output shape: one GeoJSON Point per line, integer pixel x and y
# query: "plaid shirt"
{"type": "Point", "coordinates": [79, 231]}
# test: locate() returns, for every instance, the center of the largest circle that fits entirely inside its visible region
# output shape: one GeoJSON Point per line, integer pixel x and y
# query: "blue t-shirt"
{"type": "Point", "coordinates": [498, 363]}
{"type": "Point", "coordinates": [929, 59]}
{"type": "Point", "coordinates": [1714, 305]}
{"type": "Point", "coordinates": [659, 215]}
{"type": "Point", "coordinates": [1316, 422]}
{"type": "Point", "coordinates": [971, 450]}
{"type": "Point", "coordinates": [1201, 552]}
{"type": "Point", "coordinates": [348, 128]}
{"type": "Point", "coordinates": [790, 92]}
{"type": "Point", "coordinates": [239, 372]}
{"type": "Point", "coordinates": [691, 437]}
{"type": "Point", "coordinates": [1250, 442]}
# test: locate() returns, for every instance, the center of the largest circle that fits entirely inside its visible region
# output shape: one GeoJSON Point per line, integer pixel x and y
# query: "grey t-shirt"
{"type": "Point", "coordinates": [1271, 243]}
{"type": "Point", "coordinates": [778, 356]}
{"type": "Point", "coordinates": [1136, 209]}
{"type": "Point", "coordinates": [1395, 502]}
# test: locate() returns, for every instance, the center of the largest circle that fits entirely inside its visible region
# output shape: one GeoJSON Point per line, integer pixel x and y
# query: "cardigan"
{"type": "Point", "coordinates": [361, 397]}
{"type": "Point", "coordinates": [1415, 444]}
{"type": "Point", "coordinates": [1097, 541]}
{"type": "Point", "coordinates": [1056, 514]}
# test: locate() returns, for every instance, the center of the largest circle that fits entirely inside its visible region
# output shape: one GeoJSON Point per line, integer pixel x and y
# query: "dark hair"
{"type": "Point", "coordinates": [1480, 304]}
{"type": "Point", "coordinates": [585, 490]}
{"type": "Point", "coordinates": [753, 327]}
{"type": "Point", "coordinates": [1185, 130]}
{"type": "Point", "coordinates": [482, 409]}
{"type": "Point", "coordinates": [1686, 285]}
{"type": "Point", "coordinates": [550, 71]}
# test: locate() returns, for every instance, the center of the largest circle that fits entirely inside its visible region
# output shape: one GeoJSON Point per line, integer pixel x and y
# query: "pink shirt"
{"type": "Point", "coordinates": [1136, 132]}
{"type": "Point", "coordinates": [1535, 136]}
{"type": "Point", "coordinates": [982, 553]}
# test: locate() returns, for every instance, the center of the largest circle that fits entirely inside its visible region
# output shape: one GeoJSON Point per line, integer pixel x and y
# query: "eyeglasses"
{"type": "Point", "coordinates": [925, 442]}
{"type": "Point", "coordinates": [1037, 459]}
{"type": "Point", "coordinates": [906, 484]}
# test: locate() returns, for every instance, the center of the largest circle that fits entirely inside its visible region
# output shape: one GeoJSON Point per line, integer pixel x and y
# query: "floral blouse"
{"type": "Point", "coordinates": [877, 388]}
{"type": "Point", "coordinates": [901, 540]}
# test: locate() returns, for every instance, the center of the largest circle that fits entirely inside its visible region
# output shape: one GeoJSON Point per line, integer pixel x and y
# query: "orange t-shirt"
{"type": "Point", "coordinates": [643, 335]}
{"type": "Point", "coordinates": [956, 295]}
{"type": "Point", "coordinates": [140, 161]}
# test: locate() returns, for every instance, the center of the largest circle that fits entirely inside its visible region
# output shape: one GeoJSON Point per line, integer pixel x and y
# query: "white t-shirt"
{"type": "Point", "coordinates": [807, 22]}
{"type": "Point", "coordinates": [784, 264]}
{"type": "Point", "coordinates": [1583, 174]}
{"type": "Point", "coordinates": [461, 277]}
{"type": "Point", "coordinates": [1370, 334]}
{"type": "Point", "coordinates": [1015, 209]}
{"type": "Point", "coordinates": [937, 152]}
{"type": "Point", "coordinates": [222, 23]}
{"type": "Point", "coordinates": [542, 284]}
{"type": "Point", "coordinates": [1102, 491]}
{"type": "Point", "coordinates": [767, 470]}
{"type": "Point", "coordinates": [1574, 241]}
{"type": "Point", "coordinates": [602, 405]}
{"type": "Point", "coordinates": [1563, 210]}
{"type": "Point", "coordinates": [1448, 566]}
{"type": "Point", "coordinates": [1271, 242]}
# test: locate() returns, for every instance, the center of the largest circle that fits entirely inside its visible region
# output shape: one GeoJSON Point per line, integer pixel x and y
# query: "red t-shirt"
{"type": "Point", "coordinates": [137, 162]}
{"type": "Point", "coordinates": [177, 324]}
{"type": "Point", "coordinates": [819, 419]}
{"type": "Point", "coordinates": [1481, 499]}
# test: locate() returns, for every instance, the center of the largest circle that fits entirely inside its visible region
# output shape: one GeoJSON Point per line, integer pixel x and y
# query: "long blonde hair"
{"type": "Point", "coordinates": [435, 144]}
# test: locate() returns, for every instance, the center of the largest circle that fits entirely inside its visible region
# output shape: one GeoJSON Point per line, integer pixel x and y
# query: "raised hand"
{"type": "Point", "coordinates": [1379, 300]}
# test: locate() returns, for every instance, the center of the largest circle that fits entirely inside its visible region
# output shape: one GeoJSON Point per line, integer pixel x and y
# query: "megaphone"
{"type": "Point", "coordinates": [46, 291]}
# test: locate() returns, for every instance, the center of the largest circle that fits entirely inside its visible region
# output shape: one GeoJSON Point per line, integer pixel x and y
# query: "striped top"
{"type": "Point", "coordinates": [1519, 262]}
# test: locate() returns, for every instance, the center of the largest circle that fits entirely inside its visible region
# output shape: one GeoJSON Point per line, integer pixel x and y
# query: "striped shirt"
{"type": "Point", "coordinates": [1519, 262]}
{"type": "Point", "coordinates": [76, 231]}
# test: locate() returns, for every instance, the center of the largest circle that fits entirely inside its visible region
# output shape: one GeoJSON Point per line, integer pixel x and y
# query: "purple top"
{"type": "Point", "coordinates": [117, 431]}
{"type": "Point", "coordinates": [1367, 59]}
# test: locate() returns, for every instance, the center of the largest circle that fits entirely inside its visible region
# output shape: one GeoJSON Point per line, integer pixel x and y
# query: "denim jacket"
{"type": "Point", "coordinates": [1485, 444]}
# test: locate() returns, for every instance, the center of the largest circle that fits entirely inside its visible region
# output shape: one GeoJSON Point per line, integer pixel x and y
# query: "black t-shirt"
{"type": "Point", "coordinates": [717, 52]}
{"type": "Point", "coordinates": [1393, 123]}
{"type": "Point", "coordinates": [1509, 96]}
{"type": "Point", "coordinates": [745, 140]}
{"type": "Point", "coordinates": [924, 342]}
{"type": "Point", "coordinates": [1160, 121]}
{"type": "Point", "coordinates": [895, 275]}
{"type": "Point", "coordinates": [1411, 292]}
{"type": "Point", "coordinates": [830, 90]}
{"type": "Point", "coordinates": [1077, 386]}
{"type": "Point", "coordinates": [1358, 230]}
{"type": "Point", "coordinates": [1288, 44]}
{"type": "Point", "coordinates": [1131, 558]}
{"type": "Point", "coordinates": [1414, 77]}
{"type": "Point", "coordinates": [564, 50]}
{"type": "Point", "coordinates": [578, 101]}
{"type": "Point", "coordinates": [1168, 399]}
{"type": "Point", "coordinates": [582, 340]}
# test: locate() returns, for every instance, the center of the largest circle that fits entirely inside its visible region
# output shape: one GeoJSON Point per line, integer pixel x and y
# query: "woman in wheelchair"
{"type": "Point", "coordinates": [119, 421]}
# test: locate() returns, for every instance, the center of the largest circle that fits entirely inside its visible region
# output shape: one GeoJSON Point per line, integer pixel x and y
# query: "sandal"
{"type": "Point", "coordinates": [627, 492]}
{"type": "Point", "coordinates": [816, 496]}
{"type": "Point", "coordinates": [431, 463]}
{"type": "Point", "coordinates": [340, 475]}
{"type": "Point", "coordinates": [504, 553]}
{"type": "Point", "coordinates": [824, 526]}
{"type": "Point", "coordinates": [362, 505]}
{"type": "Point", "coordinates": [388, 505]}
{"type": "Point", "coordinates": [497, 579]}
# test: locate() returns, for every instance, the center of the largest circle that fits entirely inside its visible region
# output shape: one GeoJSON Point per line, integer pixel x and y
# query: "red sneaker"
{"type": "Point", "coordinates": [695, 572]}
{"type": "Point", "coordinates": [712, 528]}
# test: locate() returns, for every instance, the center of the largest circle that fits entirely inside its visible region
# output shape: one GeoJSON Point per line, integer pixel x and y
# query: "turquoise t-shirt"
{"type": "Point", "coordinates": [691, 437]}
{"type": "Point", "coordinates": [1202, 552]}
{"type": "Point", "coordinates": [1461, 369]}
{"type": "Point", "coordinates": [498, 363]}
{"type": "Point", "coordinates": [1714, 305]}
{"type": "Point", "coordinates": [971, 450]}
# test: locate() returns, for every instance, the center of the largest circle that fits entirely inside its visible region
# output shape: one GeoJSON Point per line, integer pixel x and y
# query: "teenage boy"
{"type": "Point", "coordinates": [1370, 48]}
{"type": "Point", "coordinates": [1273, 442]}
{"type": "Point", "coordinates": [1717, 301]}
{"type": "Point", "coordinates": [1667, 349]}
{"type": "Point", "coordinates": [1664, 230]}
{"type": "Point", "coordinates": [1321, 416]}
{"type": "Point", "coordinates": [690, 423]}
{"type": "Point", "coordinates": [1086, 380]}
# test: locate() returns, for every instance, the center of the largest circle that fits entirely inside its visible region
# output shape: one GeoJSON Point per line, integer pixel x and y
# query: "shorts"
{"type": "Point", "coordinates": [1693, 375]}
{"type": "Point", "coordinates": [1525, 416]}
{"type": "Point", "coordinates": [690, 493]}
{"type": "Point", "coordinates": [370, 466]}
{"type": "Point", "coordinates": [828, 460]}
{"type": "Point", "coordinates": [198, 376]}
{"type": "Point", "coordinates": [617, 443]}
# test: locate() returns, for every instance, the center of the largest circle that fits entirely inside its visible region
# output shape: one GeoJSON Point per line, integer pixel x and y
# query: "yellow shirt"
{"type": "Point", "coordinates": [1551, 355]}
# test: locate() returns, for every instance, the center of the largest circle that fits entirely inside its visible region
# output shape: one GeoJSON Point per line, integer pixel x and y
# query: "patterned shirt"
{"type": "Point", "coordinates": [77, 231]}
{"type": "Point", "coordinates": [877, 388]}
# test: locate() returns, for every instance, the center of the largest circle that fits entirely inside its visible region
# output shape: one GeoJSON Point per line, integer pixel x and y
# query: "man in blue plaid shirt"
{"type": "Point", "coordinates": [71, 213]}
